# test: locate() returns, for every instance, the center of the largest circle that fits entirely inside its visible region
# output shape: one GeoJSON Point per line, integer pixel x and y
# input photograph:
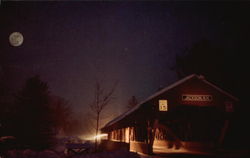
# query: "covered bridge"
{"type": "Point", "coordinates": [191, 114]}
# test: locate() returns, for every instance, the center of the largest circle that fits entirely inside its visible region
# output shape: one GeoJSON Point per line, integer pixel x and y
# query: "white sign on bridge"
{"type": "Point", "coordinates": [191, 97]}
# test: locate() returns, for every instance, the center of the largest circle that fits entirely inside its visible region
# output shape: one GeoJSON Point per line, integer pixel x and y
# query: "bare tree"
{"type": "Point", "coordinates": [101, 99]}
{"type": "Point", "coordinates": [132, 102]}
{"type": "Point", "coordinates": [62, 114]}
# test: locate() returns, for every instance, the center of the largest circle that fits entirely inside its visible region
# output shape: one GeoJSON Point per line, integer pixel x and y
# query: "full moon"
{"type": "Point", "coordinates": [16, 39]}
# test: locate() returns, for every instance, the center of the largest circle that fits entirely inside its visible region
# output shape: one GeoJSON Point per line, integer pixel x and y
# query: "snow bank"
{"type": "Point", "coordinates": [115, 154]}
{"type": "Point", "coordinates": [52, 154]}
{"type": "Point", "coordinates": [31, 154]}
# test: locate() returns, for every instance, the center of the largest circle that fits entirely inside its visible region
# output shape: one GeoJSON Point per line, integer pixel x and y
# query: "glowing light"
{"type": "Point", "coordinates": [92, 137]}
{"type": "Point", "coordinates": [99, 136]}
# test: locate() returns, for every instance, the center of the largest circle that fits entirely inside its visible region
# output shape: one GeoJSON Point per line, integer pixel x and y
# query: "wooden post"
{"type": "Point", "coordinates": [223, 132]}
{"type": "Point", "coordinates": [148, 137]}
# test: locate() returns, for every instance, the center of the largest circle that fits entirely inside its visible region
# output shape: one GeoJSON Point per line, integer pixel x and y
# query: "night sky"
{"type": "Point", "coordinates": [73, 44]}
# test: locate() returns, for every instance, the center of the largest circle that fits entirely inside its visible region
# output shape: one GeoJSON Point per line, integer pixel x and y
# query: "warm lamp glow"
{"type": "Point", "coordinates": [99, 136]}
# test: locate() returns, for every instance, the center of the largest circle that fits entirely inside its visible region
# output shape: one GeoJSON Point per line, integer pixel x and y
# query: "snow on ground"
{"type": "Point", "coordinates": [53, 154]}
{"type": "Point", "coordinates": [31, 154]}
{"type": "Point", "coordinates": [115, 154]}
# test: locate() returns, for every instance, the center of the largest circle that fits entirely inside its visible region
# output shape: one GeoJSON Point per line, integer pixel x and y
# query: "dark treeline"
{"type": "Point", "coordinates": [33, 116]}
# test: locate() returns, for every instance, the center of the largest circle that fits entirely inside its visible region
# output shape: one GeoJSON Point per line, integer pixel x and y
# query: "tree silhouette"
{"type": "Point", "coordinates": [101, 100]}
{"type": "Point", "coordinates": [132, 102]}
{"type": "Point", "coordinates": [212, 61]}
{"type": "Point", "coordinates": [62, 115]}
{"type": "Point", "coordinates": [34, 115]}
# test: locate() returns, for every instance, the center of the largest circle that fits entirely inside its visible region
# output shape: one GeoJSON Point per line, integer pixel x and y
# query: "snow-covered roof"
{"type": "Point", "coordinates": [165, 90]}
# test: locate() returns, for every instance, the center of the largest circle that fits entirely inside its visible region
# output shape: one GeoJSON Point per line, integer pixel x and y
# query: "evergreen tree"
{"type": "Point", "coordinates": [34, 115]}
